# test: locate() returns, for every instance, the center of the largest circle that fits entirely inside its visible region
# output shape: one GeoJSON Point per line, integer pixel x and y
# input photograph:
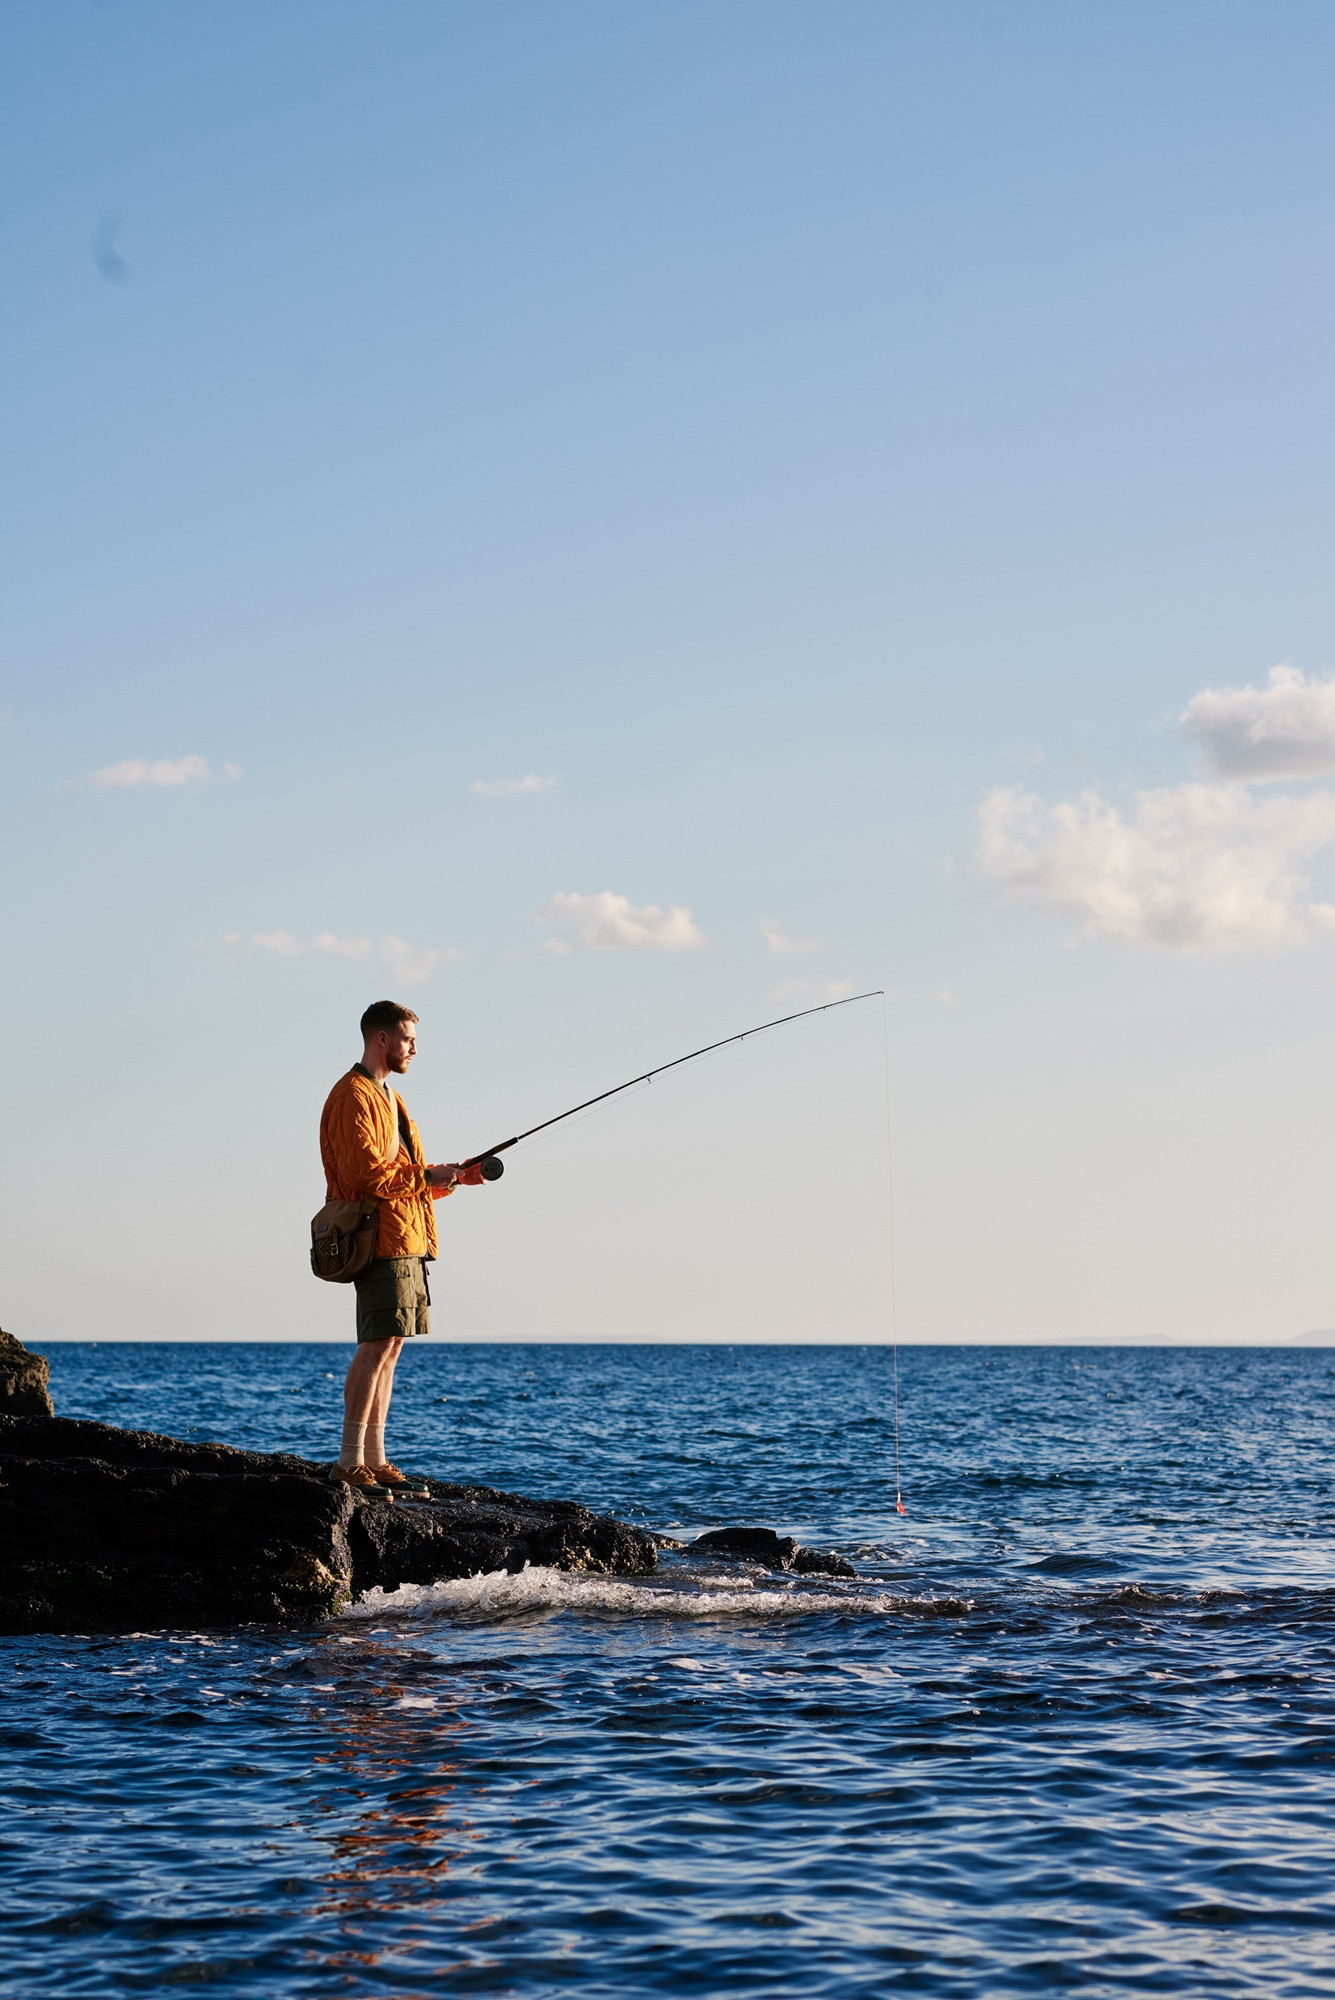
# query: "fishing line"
{"type": "Point", "coordinates": [890, 1218]}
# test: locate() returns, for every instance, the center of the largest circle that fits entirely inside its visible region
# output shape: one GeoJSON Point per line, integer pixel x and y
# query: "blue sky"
{"type": "Point", "coordinates": [816, 446]}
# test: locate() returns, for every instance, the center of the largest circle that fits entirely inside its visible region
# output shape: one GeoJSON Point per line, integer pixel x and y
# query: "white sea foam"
{"type": "Point", "coordinates": [536, 1588]}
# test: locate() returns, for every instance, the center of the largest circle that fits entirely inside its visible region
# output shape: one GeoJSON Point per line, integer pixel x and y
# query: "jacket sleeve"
{"type": "Point", "coordinates": [363, 1166]}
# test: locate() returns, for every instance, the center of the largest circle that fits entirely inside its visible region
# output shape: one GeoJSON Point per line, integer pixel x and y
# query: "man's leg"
{"type": "Point", "coordinates": [384, 1389]}
{"type": "Point", "coordinates": [372, 1360]}
{"type": "Point", "coordinates": [412, 1303]}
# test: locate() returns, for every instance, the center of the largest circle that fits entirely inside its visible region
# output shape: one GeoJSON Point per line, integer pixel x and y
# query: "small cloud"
{"type": "Point", "coordinates": [1191, 867]}
{"type": "Point", "coordinates": [779, 941]}
{"type": "Point", "coordinates": [231, 770]}
{"type": "Point", "coordinates": [102, 249]}
{"type": "Point", "coordinates": [945, 998]}
{"type": "Point", "coordinates": [288, 946]}
{"type": "Point", "coordinates": [607, 922]}
{"type": "Point", "coordinates": [413, 963]}
{"type": "Point", "coordinates": [166, 771]}
{"type": "Point", "coordinates": [509, 788]}
{"type": "Point", "coordinates": [558, 948]}
{"type": "Point", "coordinates": [408, 963]}
{"type": "Point", "coordinates": [1283, 730]}
{"type": "Point", "coordinates": [813, 991]}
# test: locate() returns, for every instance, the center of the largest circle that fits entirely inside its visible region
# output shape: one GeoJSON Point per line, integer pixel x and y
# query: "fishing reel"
{"type": "Point", "coordinates": [491, 1167]}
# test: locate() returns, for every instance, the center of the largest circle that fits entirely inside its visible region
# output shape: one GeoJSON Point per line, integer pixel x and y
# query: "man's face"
{"type": "Point", "coordinates": [400, 1046]}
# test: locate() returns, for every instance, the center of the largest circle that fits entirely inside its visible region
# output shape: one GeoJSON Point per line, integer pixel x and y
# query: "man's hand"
{"type": "Point", "coordinates": [454, 1176]}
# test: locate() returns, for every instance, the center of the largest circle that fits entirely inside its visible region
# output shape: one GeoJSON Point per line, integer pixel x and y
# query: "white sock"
{"type": "Point", "coordinates": [375, 1443]}
{"type": "Point", "coordinates": [354, 1443]}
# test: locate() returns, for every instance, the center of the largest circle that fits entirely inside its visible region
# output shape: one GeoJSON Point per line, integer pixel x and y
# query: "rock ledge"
{"type": "Point", "coordinates": [775, 1551]}
{"type": "Point", "coordinates": [23, 1379]}
{"type": "Point", "coordinates": [108, 1530]}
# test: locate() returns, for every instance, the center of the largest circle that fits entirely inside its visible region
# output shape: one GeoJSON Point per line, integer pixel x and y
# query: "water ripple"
{"type": "Point", "coordinates": [1072, 1728]}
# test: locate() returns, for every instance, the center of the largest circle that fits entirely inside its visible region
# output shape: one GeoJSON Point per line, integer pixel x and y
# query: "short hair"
{"type": "Point", "coordinates": [384, 1014]}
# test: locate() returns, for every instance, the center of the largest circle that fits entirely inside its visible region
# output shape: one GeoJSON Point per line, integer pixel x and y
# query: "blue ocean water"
{"type": "Point", "coordinates": [1073, 1728]}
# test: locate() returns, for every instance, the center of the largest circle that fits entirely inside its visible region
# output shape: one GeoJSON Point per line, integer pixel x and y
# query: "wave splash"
{"type": "Point", "coordinates": [535, 1588]}
{"type": "Point", "coordinates": [500, 1595]}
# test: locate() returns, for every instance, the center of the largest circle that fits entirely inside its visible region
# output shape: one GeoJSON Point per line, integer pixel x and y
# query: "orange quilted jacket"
{"type": "Point", "coordinates": [357, 1144]}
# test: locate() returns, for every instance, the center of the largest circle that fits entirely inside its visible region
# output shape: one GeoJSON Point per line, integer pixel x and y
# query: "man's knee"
{"type": "Point", "coordinates": [369, 1357]}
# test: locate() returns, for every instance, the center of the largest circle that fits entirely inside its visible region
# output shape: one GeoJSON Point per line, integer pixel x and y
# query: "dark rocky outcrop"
{"type": "Point", "coordinates": [23, 1379]}
{"type": "Point", "coordinates": [466, 1530]}
{"type": "Point", "coordinates": [775, 1551]}
{"type": "Point", "coordinates": [107, 1530]}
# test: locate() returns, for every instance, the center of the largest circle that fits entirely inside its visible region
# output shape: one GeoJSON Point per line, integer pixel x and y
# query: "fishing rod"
{"type": "Point", "coordinates": [493, 1168]}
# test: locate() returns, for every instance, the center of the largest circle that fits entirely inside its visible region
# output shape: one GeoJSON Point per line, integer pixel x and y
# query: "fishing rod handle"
{"type": "Point", "coordinates": [488, 1160]}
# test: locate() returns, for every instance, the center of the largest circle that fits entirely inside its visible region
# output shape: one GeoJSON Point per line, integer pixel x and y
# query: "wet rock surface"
{"type": "Point", "coordinates": [463, 1530]}
{"type": "Point", "coordinates": [109, 1530]}
{"type": "Point", "coordinates": [23, 1379]}
{"type": "Point", "coordinates": [775, 1551]}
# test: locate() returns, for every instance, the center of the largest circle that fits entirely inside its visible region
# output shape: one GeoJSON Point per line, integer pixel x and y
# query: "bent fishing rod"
{"type": "Point", "coordinates": [493, 1167]}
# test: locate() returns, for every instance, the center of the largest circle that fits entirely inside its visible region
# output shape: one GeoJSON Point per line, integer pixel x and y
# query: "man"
{"type": "Point", "coordinates": [370, 1148]}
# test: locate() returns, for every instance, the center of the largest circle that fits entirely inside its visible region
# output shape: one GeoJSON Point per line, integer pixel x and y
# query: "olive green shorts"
{"type": "Point", "coordinates": [393, 1299]}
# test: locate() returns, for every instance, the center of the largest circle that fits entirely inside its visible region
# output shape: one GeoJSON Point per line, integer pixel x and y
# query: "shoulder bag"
{"type": "Point", "coordinates": [343, 1240]}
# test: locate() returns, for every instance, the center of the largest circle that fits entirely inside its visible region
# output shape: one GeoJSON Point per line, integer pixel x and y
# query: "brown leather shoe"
{"type": "Point", "coordinates": [361, 1479]}
{"type": "Point", "coordinates": [400, 1482]}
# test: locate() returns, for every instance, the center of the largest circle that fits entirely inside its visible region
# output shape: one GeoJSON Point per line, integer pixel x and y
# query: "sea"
{"type": "Point", "coordinates": [1071, 1730]}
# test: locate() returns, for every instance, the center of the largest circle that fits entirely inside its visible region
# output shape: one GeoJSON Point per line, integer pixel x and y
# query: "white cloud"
{"type": "Point", "coordinates": [167, 771]}
{"type": "Point", "coordinates": [231, 770]}
{"type": "Point", "coordinates": [288, 946]}
{"type": "Point", "coordinates": [508, 788]}
{"type": "Point", "coordinates": [813, 991]}
{"type": "Point", "coordinates": [406, 962]}
{"type": "Point", "coordinates": [414, 963]}
{"type": "Point", "coordinates": [779, 941]}
{"type": "Point", "coordinates": [607, 922]}
{"type": "Point", "coordinates": [1283, 730]}
{"type": "Point", "coordinates": [1197, 866]}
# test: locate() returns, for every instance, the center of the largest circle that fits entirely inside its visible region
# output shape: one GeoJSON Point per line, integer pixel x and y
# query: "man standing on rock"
{"type": "Point", "coordinates": [371, 1150]}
